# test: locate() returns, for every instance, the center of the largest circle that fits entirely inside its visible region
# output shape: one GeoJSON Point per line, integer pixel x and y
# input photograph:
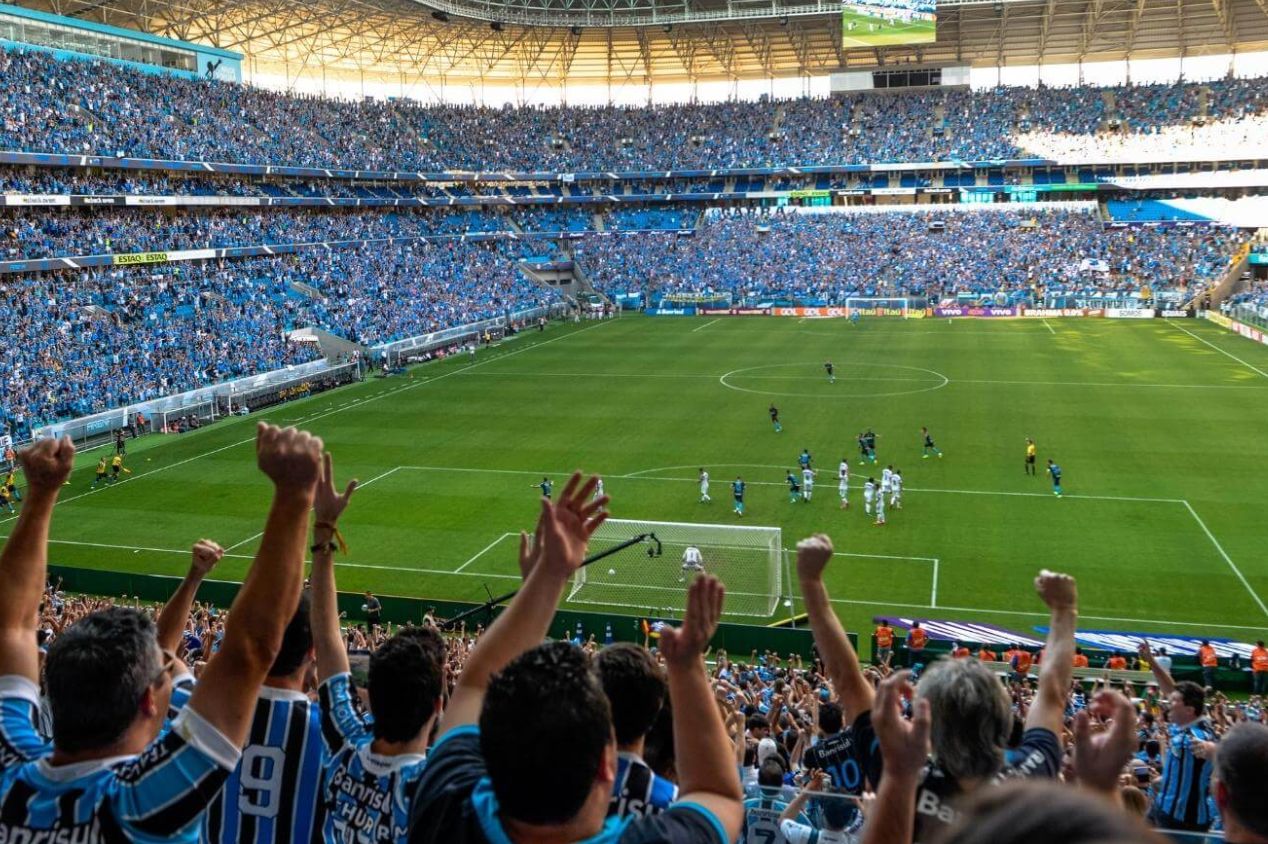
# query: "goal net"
{"type": "Point", "coordinates": [651, 576]}
{"type": "Point", "coordinates": [874, 306]}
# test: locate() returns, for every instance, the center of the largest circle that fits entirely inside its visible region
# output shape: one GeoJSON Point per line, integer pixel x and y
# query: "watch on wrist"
{"type": "Point", "coordinates": [327, 546]}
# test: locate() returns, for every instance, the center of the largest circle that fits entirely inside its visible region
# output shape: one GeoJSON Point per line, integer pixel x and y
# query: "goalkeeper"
{"type": "Point", "coordinates": [692, 561]}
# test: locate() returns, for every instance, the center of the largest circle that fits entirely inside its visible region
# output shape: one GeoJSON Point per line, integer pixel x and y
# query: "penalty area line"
{"type": "Point", "coordinates": [1224, 554]}
{"type": "Point", "coordinates": [482, 552]}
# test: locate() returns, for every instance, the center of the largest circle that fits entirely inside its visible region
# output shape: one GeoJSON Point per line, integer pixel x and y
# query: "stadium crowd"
{"type": "Point", "coordinates": [85, 341]}
{"type": "Point", "coordinates": [30, 233]}
{"type": "Point", "coordinates": [1008, 255]}
{"type": "Point", "coordinates": [273, 721]}
{"type": "Point", "coordinates": [79, 107]}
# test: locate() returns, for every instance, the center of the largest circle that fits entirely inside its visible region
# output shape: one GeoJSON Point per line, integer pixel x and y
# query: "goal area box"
{"type": "Point", "coordinates": [649, 576]}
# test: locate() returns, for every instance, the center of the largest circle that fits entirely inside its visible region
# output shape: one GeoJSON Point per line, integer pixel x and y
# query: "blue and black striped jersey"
{"type": "Point", "coordinates": [368, 796]}
{"type": "Point", "coordinates": [158, 796]}
{"type": "Point", "coordinates": [22, 737]}
{"type": "Point", "coordinates": [637, 790]}
{"type": "Point", "coordinates": [761, 817]}
{"type": "Point", "coordinates": [273, 796]}
{"type": "Point", "coordinates": [1182, 792]}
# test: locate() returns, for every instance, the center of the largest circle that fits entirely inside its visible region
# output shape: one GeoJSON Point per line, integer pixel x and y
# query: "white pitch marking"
{"type": "Point", "coordinates": [481, 552]}
{"type": "Point", "coordinates": [706, 325]}
{"type": "Point", "coordinates": [1224, 554]}
{"type": "Point", "coordinates": [245, 541]}
{"type": "Point", "coordinates": [1217, 348]}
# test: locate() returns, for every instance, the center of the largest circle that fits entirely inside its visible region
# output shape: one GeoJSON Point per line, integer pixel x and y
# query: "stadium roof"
{"type": "Point", "coordinates": [593, 42]}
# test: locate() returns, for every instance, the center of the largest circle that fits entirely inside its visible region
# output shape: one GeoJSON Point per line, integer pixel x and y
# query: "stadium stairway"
{"type": "Point", "coordinates": [1111, 111]}
{"type": "Point", "coordinates": [1229, 282]}
{"type": "Point", "coordinates": [331, 345]}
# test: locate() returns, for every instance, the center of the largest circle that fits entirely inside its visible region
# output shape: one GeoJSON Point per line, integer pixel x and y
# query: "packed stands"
{"type": "Point", "coordinates": [91, 340]}
{"type": "Point", "coordinates": [85, 341]}
{"type": "Point", "coordinates": [1006, 255]}
{"type": "Point", "coordinates": [91, 107]}
{"type": "Point", "coordinates": [43, 233]}
{"type": "Point", "coordinates": [377, 295]}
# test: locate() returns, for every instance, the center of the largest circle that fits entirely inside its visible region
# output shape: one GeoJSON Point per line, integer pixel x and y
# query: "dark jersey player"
{"type": "Point", "coordinates": [737, 491]}
{"type": "Point", "coordinates": [774, 418]}
{"type": "Point", "coordinates": [1055, 471]}
{"type": "Point", "coordinates": [832, 378]}
{"type": "Point", "coordinates": [930, 448]}
{"type": "Point", "coordinates": [794, 488]}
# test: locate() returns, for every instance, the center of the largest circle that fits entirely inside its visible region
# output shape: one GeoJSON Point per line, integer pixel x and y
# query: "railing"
{"type": "Point", "coordinates": [209, 402]}
{"type": "Point", "coordinates": [394, 351]}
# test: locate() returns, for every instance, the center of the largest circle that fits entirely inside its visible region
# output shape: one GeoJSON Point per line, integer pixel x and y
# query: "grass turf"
{"type": "Point", "coordinates": [1157, 426]}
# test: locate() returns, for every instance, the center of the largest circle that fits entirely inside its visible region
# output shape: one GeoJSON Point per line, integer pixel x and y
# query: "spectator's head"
{"type": "Point", "coordinates": [767, 749]}
{"type": "Point", "coordinates": [658, 750]}
{"type": "Point", "coordinates": [547, 740]}
{"type": "Point", "coordinates": [1135, 801]}
{"type": "Point", "coordinates": [108, 683]}
{"type": "Point", "coordinates": [1241, 769]}
{"type": "Point", "coordinates": [635, 686]}
{"type": "Point", "coordinates": [758, 726]}
{"type": "Point", "coordinates": [835, 812]}
{"type": "Point", "coordinates": [1188, 703]}
{"type": "Point", "coordinates": [831, 719]}
{"type": "Point", "coordinates": [1153, 749]}
{"type": "Point", "coordinates": [972, 717]}
{"type": "Point", "coordinates": [1037, 812]}
{"type": "Point", "coordinates": [406, 680]}
{"type": "Point", "coordinates": [297, 643]}
{"type": "Point", "coordinates": [770, 774]}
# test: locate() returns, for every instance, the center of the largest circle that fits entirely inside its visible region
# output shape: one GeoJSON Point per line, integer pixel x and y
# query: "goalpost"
{"type": "Point", "coordinates": [897, 306]}
{"type": "Point", "coordinates": [649, 576]}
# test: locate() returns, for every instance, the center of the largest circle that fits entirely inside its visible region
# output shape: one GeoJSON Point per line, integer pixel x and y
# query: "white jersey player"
{"type": "Point", "coordinates": [886, 475]}
{"type": "Point", "coordinates": [896, 487]}
{"type": "Point", "coordinates": [704, 487]}
{"type": "Point", "coordinates": [692, 561]}
{"type": "Point", "coordinates": [880, 508]}
{"type": "Point", "coordinates": [807, 483]}
{"type": "Point", "coordinates": [869, 493]}
{"type": "Point", "coordinates": [598, 490]}
{"type": "Point", "coordinates": [843, 483]}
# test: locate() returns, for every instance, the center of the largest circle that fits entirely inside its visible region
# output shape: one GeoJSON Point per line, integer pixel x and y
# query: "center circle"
{"type": "Point", "coordinates": [936, 382]}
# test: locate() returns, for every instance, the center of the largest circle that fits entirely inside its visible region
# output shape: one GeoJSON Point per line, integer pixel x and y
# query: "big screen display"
{"type": "Point", "coordinates": [879, 23]}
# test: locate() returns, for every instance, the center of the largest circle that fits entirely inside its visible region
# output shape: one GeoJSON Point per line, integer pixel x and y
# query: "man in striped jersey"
{"type": "Point", "coordinates": [371, 769]}
{"type": "Point", "coordinates": [1181, 798]}
{"type": "Point", "coordinates": [635, 686]}
{"type": "Point", "coordinates": [110, 774]}
{"type": "Point", "coordinates": [762, 811]}
{"type": "Point", "coordinates": [272, 794]}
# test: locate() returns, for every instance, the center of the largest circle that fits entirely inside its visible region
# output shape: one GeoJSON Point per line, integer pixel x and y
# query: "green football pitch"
{"type": "Point", "coordinates": [1158, 425]}
{"type": "Point", "coordinates": [886, 34]}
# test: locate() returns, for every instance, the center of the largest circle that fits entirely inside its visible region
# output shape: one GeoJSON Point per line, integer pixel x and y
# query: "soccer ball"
{"type": "Point", "coordinates": [611, 572]}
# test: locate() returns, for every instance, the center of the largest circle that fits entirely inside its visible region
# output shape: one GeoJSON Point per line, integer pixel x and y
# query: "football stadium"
{"type": "Point", "coordinates": [540, 421]}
